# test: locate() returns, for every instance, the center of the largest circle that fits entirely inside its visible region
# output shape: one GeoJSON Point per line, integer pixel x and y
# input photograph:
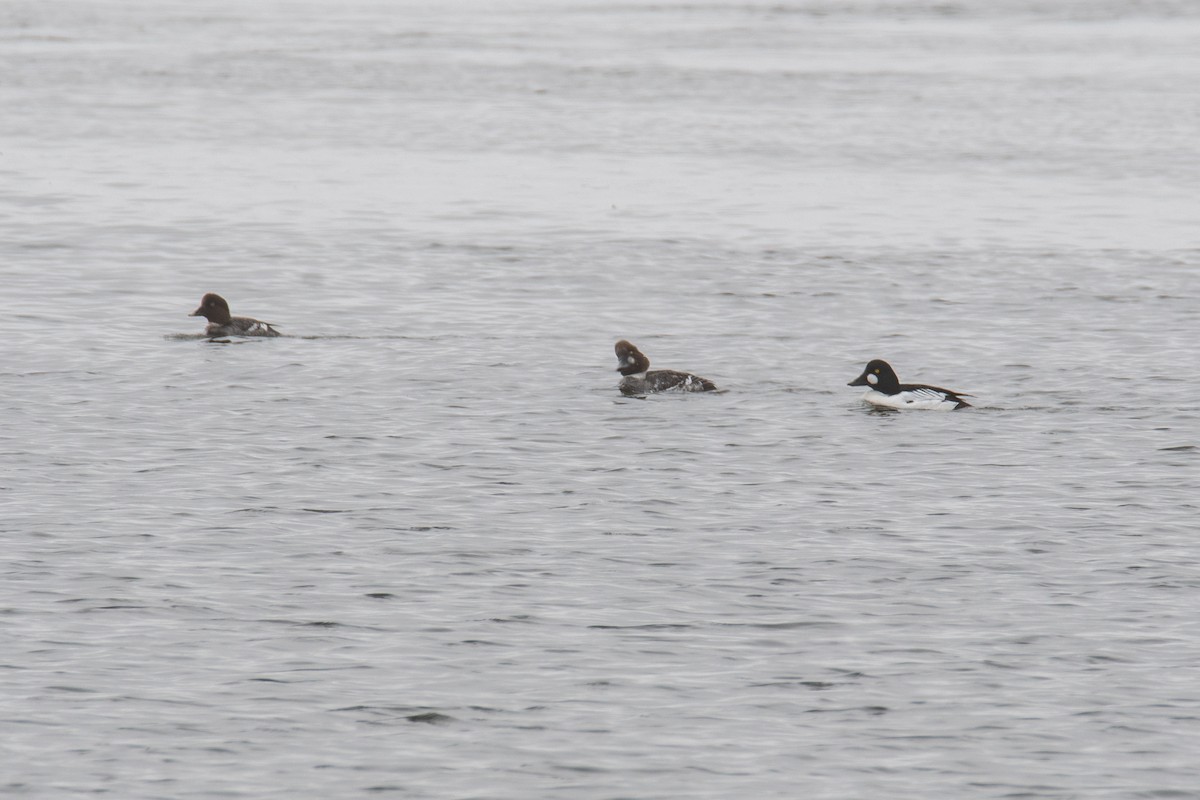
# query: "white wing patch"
{"type": "Point", "coordinates": [925, 398]}
{"type": "Point", "coordinates": [260, 328]}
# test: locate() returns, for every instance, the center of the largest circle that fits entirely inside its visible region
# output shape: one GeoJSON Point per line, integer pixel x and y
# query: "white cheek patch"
{"type": "Point", "coordinates": [872, 379]}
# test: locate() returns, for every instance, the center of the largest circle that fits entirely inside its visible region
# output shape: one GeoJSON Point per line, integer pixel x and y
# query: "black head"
{"type": "Point", "coordinates": [213, 308]}
{"type": "Point", "coordinates": [630, 360]}
{"type": "Point", "coordinates": [880, 376]}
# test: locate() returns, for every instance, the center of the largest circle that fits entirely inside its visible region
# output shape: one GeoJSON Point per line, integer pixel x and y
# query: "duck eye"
{"type": "Point", "coordinates": [876, 372]}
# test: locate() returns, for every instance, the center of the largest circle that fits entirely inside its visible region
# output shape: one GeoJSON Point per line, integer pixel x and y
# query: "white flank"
{"type": "Point", "coordinates": [924, 399]}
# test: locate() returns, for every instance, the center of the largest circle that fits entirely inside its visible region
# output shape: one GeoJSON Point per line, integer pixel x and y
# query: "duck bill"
{"type": "Point", "coordinates": [197, 313]}
{"type": "Point", "coordinates": [861, 380]}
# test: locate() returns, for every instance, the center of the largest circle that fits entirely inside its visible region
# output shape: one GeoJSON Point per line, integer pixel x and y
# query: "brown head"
{"type": "Point", "coordinates": [214, 309]}
{"type": "Point", "coordinates": [630, 360]}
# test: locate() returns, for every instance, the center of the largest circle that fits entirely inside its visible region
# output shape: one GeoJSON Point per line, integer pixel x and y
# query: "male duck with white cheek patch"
{"type": "Point", "coordinates": [888, 392]}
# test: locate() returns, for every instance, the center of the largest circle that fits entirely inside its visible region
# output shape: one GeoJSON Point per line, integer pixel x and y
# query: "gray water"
{"type": "Point", "coordinates": [421, 546]}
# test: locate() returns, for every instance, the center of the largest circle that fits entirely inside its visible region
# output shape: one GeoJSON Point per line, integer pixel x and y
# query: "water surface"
{"type": "Point", "coordinates": [421, 546]}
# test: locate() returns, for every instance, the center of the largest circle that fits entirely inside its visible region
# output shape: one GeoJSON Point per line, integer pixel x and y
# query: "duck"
{"type": "Point", "coordinates": [888, 392]}
{"type": "Point", "coordinates": [639, 379]}
{"type": "Point", "coordinates": [215, 309]}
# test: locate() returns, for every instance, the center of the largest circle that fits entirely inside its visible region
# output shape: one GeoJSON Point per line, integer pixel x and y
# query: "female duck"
{"type": "Point", "coordinates": [639, 379]}
{"type": "Point", "coordinates": [221, 323]}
